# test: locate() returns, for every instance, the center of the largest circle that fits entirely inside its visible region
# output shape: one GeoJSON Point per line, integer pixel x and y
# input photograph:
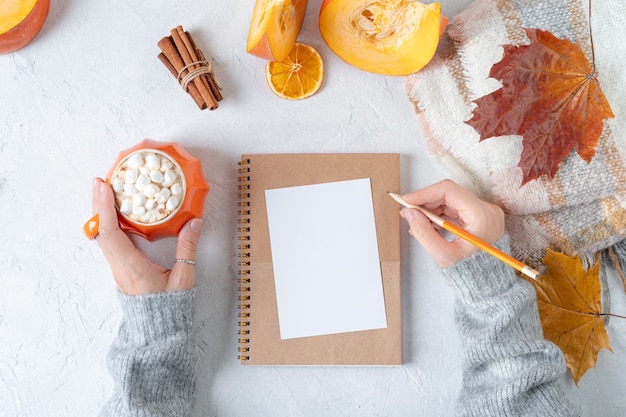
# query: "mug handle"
{"type": "Point", "coordinates": [91, 227]}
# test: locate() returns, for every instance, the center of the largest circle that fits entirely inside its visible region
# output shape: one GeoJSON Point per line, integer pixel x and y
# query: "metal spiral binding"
{"type": "Point", "coordinates": [244, 260]}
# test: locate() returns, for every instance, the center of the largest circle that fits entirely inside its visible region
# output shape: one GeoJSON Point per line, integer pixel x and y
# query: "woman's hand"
{"type": "Point", "coordinates": [456, 205]}
{"type": "Point", "coordinates": [133, 272]}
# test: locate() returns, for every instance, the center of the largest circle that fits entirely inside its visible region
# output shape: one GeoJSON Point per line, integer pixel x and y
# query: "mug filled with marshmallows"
{"type": "Point", "coordinates": [158, 187]}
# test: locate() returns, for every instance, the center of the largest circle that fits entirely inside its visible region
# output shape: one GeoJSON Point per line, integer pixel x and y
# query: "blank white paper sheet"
{"type": "Point", "coordinates": [325, 257]}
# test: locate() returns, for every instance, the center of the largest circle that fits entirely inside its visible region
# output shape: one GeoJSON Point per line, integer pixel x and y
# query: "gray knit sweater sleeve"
{"type": "Point", "coordinates": [509, 368]}
{"type": "Point", "coordinates": [152, 360]}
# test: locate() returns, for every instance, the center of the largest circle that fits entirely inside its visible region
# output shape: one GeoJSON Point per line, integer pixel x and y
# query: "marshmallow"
{"type": "Point", "coordinates": [166, 193]}
{"type": "Point", "coordinates": [139, 200]}
{"type": "Point", "coordinates": [142, 182]}
{"type": "Point", "coordinates": [176, 189]}
{"type": "Point", "coordinates": [127, 206]}
{"type": "Point", "coordinates": [131, 175]}
{"type": "Point", "coordinates": [169, 178]}
{"type": "Point", "coordinates": [153, 161]}
{"type": "Point", "coordinates": [150, 204]}
{"type": "Point", "coordinates": [172, 203]}
{"type": "Point", "coordinates": [135, 160]}
{"type": "Point", "coordinates": [118, 184]}
{"type": "Point", "coordinates": [139, 211]}
{"type": "Point", "coordinates": [151, 190]}
{"type": "Point", "coordinates": [156, 176]}
{"type": "Point", "coordinates": [166, 165]}
{"type": "Point", "coordinates": [129, 189]}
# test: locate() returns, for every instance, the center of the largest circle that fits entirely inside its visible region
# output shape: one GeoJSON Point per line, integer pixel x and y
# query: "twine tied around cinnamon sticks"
{"type": "Point", "coordinates": [192, 70]}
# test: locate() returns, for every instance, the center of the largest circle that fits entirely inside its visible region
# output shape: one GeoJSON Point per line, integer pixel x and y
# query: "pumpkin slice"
{"type": "Point", "coordinates": [20, 21]}
{"type": "Point", "coordinates": [275, 27]}
{"type": "Point", "coordinates": [391, 37]}
{"type": "Point", "coordinates": [298, 76]}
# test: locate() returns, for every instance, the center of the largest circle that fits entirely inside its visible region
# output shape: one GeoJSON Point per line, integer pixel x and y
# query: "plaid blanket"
{"type": "Point", "coordinates": [580, 211]}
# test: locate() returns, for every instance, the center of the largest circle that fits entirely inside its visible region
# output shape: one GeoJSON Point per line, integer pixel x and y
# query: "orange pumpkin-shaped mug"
{"type": "Point", "coordinates": [158, 188]}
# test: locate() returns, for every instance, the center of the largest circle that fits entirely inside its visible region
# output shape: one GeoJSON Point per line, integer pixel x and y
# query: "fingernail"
{"type": "Point", "coordinates": [98, 185]}
{"type": "Point", "coordinates": [196, 225]}
{"type": "Point", "coordinates": [408, 215]}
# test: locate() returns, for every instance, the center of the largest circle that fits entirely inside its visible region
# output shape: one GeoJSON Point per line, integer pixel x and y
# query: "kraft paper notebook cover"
{"type": "Point", "coordinates": [260, 342]}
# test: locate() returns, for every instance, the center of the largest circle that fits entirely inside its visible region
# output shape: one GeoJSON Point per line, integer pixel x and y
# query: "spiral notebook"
{"type": "Point", "coordinates": [260, 339]}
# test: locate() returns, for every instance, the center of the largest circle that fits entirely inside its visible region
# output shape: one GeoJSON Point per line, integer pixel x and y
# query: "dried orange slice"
{"type": "Point", "coordinates": [299, 75]}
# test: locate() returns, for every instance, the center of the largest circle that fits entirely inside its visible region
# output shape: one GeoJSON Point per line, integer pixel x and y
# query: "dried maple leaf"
{"type": "Point", "coordinates": [551, 97]}
{"type": "Point", "coordinates": [570, 309]}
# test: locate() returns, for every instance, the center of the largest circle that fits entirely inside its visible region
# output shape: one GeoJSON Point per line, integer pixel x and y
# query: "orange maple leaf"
{"type": "Point", "coordinates": [570, 309]}
{"type": "Point", "coordinates": [551, 97]}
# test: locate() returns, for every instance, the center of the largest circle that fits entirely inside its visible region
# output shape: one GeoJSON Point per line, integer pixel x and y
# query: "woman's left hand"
{"type": "Point", "coordinates": [132, 270]}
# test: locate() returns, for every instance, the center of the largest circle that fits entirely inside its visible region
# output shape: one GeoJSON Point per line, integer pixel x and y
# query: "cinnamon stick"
{"type": "Point", "coordinates": [213, 83]}
{"type": "Point", "coordinates": [184, 37]}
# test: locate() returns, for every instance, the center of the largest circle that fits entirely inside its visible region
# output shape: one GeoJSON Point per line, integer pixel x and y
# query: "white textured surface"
{"type": "Point", "coordinates": [90, 86]}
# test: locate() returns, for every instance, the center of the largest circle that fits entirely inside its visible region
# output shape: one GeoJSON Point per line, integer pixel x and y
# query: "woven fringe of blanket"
{"type": "Point", "coordinates": [582, 210]}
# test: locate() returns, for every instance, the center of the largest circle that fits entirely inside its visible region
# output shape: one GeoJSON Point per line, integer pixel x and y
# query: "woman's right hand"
{"type": "Point", "coordinates": [456, 205]}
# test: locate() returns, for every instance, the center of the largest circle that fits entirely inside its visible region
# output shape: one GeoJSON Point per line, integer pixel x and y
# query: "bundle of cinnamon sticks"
{"type": "Point", "coordinates": [187, 63]}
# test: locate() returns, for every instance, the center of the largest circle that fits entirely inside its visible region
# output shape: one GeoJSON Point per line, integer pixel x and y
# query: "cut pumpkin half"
{"type": "Point", "coordinates": [275, 27]}
{"type": "Point", "coordinates": [391, 37]}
